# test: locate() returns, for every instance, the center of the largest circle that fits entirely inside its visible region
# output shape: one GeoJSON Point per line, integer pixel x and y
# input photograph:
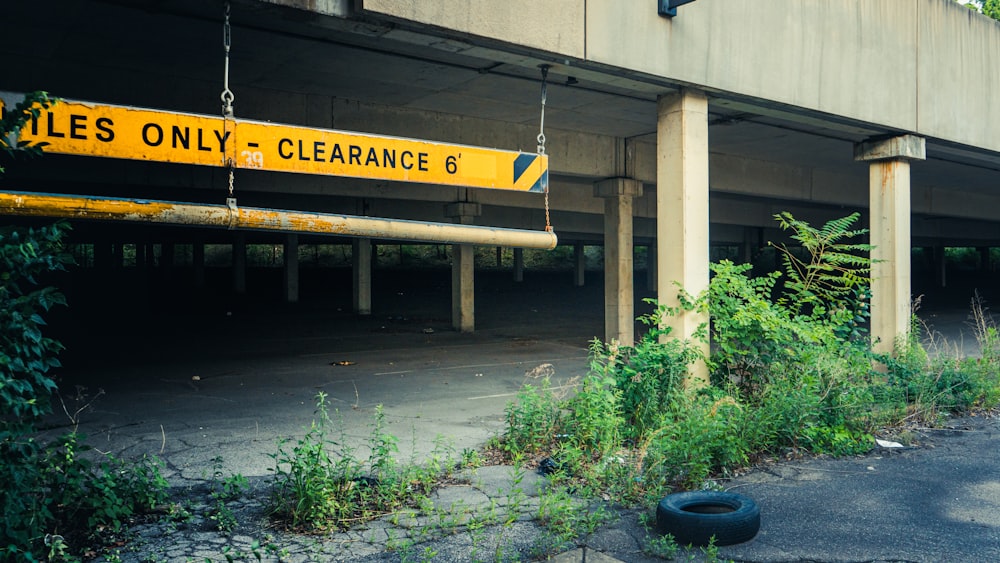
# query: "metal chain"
{"type": "Point", "coordinates": [541, 126]}
{"type": "Point", "coordinates": [228, 98]}
{"type": "Point", "coordinates": [227, 95]}
{"type": "Point", "coordinates": [541, 145]}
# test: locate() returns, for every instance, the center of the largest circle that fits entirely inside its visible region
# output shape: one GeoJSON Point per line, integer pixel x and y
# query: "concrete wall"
{"type": "Point", "coordinates": [923, 66]}
{"type": "Point", "coordinates": [556, 26]}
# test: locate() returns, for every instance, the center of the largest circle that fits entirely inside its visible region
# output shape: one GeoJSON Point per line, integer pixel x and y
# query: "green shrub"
{"type": "Point", "coordinates": [533, 420]}
{"type": "Point", "coordinates": [57, 495]}
{"type": "Point", "coordinates": [322, 484]}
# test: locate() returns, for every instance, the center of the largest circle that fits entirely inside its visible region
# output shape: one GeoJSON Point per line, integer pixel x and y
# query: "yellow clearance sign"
{"type": "Point", "coordinates": [83, 128]}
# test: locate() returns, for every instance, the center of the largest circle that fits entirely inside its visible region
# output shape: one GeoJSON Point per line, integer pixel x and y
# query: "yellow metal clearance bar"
{"type": "Point", "coordinates": [90, 129]}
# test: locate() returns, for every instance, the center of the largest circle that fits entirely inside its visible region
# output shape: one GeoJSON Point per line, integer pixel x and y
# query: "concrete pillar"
{"type": "Point", "coordinates": [682, 210]}
{"type": "Point", "coordinates": [651, 268]}
{"type": "Point", "coordinates": [140, 255]}
{"type": "Point", "coordinates": [518, 268]}
{"type": "Point", "coordinates": [499, 257]}
{"type": "Point", "coordinates": [118, 255]}
{"type": "Point", "coordinates": [463, 287]}
{"type": "Point", "coordinates": [984, 259]}
{"type": "Point", "coordinates": [198, 263]}
{"type": "Point", "coordinates": [104, 255]}
{"type": "Point", "coordinates": [619, 294]}
{"type": "Point", "coordinates": [167, 255]}
{"type": "Point", "coordinates": [579, 264]}
{"type": "Point", "coordinates": [750, 244]}
{"type": "Point", "coordinates": [291, 258]}
{"type": "Point", "coordinates": [889, 205]}
{"type": "Point", "coordinates": [940, 266]}
{"type": "Point", "coordinates": [361, 262]}
{"type": "Point", "coordinates": [239, 263]}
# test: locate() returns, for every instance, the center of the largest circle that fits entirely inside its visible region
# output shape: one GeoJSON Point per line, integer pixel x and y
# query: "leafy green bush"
{"type": "Point", "coordinates": [54, 489]}
{"type": "Point", "coordinates": [792, 369]}
{"type": "Point", "coordinates": [322, 484]}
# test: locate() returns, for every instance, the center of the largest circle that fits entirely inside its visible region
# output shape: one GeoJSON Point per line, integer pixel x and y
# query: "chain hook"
{"type": "Point", "coordinates": [541, 126]}
{"type": "Point", "coordinates": [227, 95]}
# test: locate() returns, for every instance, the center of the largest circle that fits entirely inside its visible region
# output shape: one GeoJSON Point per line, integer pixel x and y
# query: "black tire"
{"type": "Point", "coordinates": [694, 518]}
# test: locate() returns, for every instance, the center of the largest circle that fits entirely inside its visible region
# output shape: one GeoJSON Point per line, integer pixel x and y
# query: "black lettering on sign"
{"type": "Point", "coordinates": [406, 155]}
{"type": "Point", "coordinates": [281, 149]}
{"type": "Point", "coordinates": [51, 126]}
{"type": "Point", "coordinates": [223, 137]}
{"type": "Point", "coordinates": [104, 125]}
{"type": "Point", "coordinates": [422, 162]}
{"type": "Point", "coordinates": [201, 144]}
{"type": "Point", "coordinates": [354, 154]}
{"type": "Point", "coordinates": [179, 137]}
{"type": "Point", "coordinates": [157, 132]}
{"type": "Point", "coordinates": [302, 155]}
{"type": "Point", "coordinates": [76, 124]}
{"type": "Point", "coordinates": [389, 158]}
{"type": "Point", "coordinates": [337, 154]}
{"type": "Point", "coordinates": [318, 150]}
{"type": "Point", "coordinates": [372, 157]}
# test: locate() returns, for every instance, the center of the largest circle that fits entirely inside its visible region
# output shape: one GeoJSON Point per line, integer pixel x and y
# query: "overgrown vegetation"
{"type": "Point", "coordinates": [792, 371]}
{"type": "Point", "coordinates": [322, 483]}
{"type": "Point", "coordinates": [57, 497]}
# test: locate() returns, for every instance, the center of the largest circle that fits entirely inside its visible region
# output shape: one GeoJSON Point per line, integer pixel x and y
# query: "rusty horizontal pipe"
{"type": "Point", "coordinates": [29, 204]}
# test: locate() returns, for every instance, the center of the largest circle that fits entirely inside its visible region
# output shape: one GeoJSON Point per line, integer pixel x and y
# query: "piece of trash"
{"type": "Point", "coordinates": [479, 375]}
{"type": "Point", "coordinates": [428, 331]}
{"type": "Point", "coordinates": [548, 466]}
{"type": "Point", "coordinates": [342, 363]}
{"type": "Point", "coordinates": [195, 378]}
{"type": "Point", "coordinates": [542, 370]}
{"type": "Point", "coordinates": [888, 444]}
{"type": "Point", "coordinates": [871, 468]}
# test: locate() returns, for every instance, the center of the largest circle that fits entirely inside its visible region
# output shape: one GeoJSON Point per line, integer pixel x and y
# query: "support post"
{"type": "Point", "coordinates": [167, 255]}
{"type": "Point", "coordinates": [619, 294]}
{"type": "Point", "coordinates": [104, 255]}
{"type": "Point", "coordinates": [239, 264]}
{"type": "Point", "coordinates": [361, 262]}
{"type": "Point", "coordinates": [682, 211]}
{"type": "Point", "coordinates": [889, 205]}
{"type": "Point", "coordinates": [651, 261]}
{"type": "Point", "coordinates": [463, 285]}
{"type": "Point", "coordinates": [291, 259]}
{"type": "Point", "coordinates": [198, 263]}
{"type": "Point", "coordinates": [518, 268]}
{"type": "Point", "coordinates": [579, 264]}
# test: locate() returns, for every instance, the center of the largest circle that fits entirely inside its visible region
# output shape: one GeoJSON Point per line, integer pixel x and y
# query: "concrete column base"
{"type": "Point", "coordinates": [619, 294]}
{"type": "Point", "coordinates": [463, 281]}
{"type": "Point", "coordinates": [361, 266]}
{"type": "Point", "coordinates": [198, 263]}
{"type": "Point", "coordinates": [291, 258]}
{"type": "Point", "coordinates": [579, 265]}
{"type": "Point", "coordinates": [518, 267]}
{"type": "Point", "coordinates": [240, 264]}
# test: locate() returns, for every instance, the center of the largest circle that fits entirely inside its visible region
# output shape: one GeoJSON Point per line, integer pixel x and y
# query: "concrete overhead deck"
{"type": "Point", "coordinates": [791, 87]}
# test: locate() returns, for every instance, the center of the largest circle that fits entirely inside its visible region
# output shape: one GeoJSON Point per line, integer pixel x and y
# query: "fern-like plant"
{"type": "Point", "coordinates": [835, 269]}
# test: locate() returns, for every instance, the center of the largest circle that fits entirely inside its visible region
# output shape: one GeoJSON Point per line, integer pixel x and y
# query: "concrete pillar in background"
{"type": "Point", "coordinates": [619, 294]}
{"type": "Point", "coordinates": [463, 283]}
{"type": "Point", "coordinates": [889, 205]}
{"type": "Point", "coordinates": [291, 267]}
{"type": "Point", "coordinates": [361, 265]}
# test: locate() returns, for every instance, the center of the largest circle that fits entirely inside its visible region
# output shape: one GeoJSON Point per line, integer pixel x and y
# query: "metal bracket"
{"type": "Point", "coordinates": [668, 8]}
{"type": "Point", "coordinates": [234, 212]}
